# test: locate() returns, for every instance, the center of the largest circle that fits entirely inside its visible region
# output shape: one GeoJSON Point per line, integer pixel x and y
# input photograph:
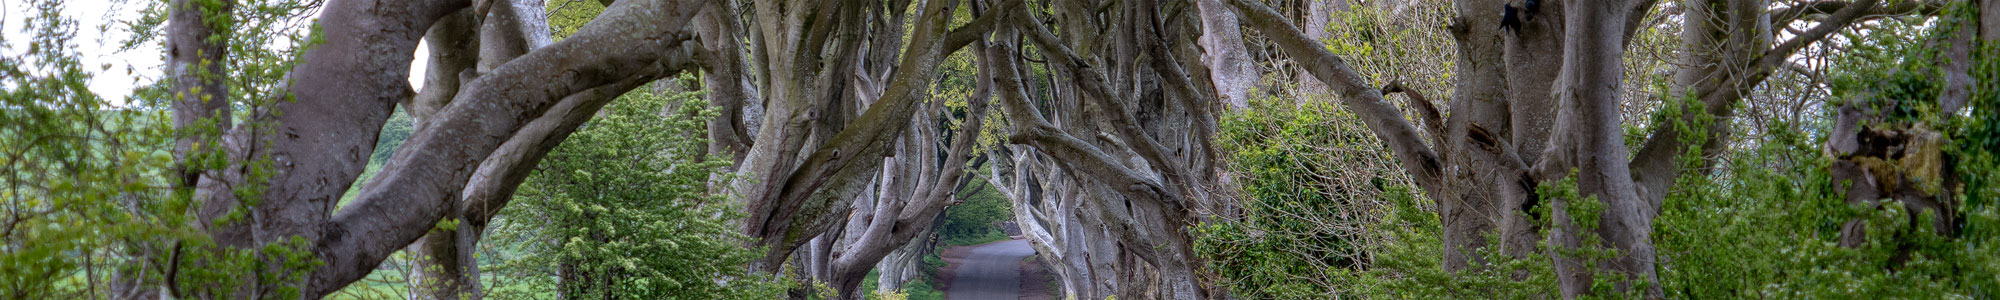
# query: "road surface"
{"type": "Point", "coordinates": [991, 272]}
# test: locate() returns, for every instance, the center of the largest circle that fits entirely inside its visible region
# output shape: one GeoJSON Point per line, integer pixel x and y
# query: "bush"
{"type": "Point", "coordinates": [1311, 177]}
{"type": "Point", "coordinates": [622, 210]}
{"type": "Point", "coordinates": [977, 220]}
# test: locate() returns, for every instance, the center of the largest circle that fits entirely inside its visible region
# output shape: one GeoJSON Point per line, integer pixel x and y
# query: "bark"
{"type": "Point", "coordinates": [1045, 207]}
{"type": "Point", "coordinates": [454, 53]}
{"type": "Point", "coordinates": [794, 198]}
{"type": "Point", "coordinates": [1720, 81]}
{"type": "Point", "coordinates": [1496, 144]}
{"type": "Point", "coordinates": [1382, 118]}
{"type": "Point", "coordinates": [201, 110]}
{"type": "Point", "coordinates": [1139, 182]}
{"type": "Point", "coordinates": [1228, 60]}
{"type": "Point", "coordinates": [344, 91]}
{"type": "Point", "coordinates": [1879, 160]}
{"type": "Point", "coordinates": [1472, 199]}
{"type": "Point", "coordinates": [728, 85]}
{"type": "Point", "coordinates": [930, 184]}
{"type": "Point", "coordinates": [902, 265]}
{"type": "Point", "coordinates": [1593, 144]}
{"type": "Point", "coordinates": [445, 266]}
{"type": "Point", "coordinates": [1319, 16]}
{"type": "Point", "coordinates": [195, 60]}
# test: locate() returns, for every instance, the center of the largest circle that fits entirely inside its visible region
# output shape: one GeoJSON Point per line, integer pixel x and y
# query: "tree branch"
{"type": "Point", "coordinates": [1787, 15]}
{"type": "Point", "coordinates": [1654, 166]}
{"type": "Point", "coordinates": [857, 149]}
{"type": "Point", "coordinates": [1635, 17]}
{"type": "Point", "coordinates": [424, 178]}
{"type": "Point", "coordinates": [1384, 119]}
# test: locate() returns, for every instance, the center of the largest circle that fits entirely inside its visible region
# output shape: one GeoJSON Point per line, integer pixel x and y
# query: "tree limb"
{"type": "Point", "coordinates": [1382, 118]}
{"type": "Point", "coordinates": [424, 178]}
{"type": "Point", "coordinates": [1654, 166]}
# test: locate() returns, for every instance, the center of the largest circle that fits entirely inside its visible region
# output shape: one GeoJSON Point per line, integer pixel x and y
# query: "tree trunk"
{"type": "Point", "coordinates": [1228, 60]}
{"type": "Point", "coordinates": [1595, 147]}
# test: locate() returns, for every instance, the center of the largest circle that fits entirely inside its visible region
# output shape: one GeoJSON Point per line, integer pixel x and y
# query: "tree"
{"type": "Point", "coordinates": [622, 210]}
{"type": "Point", "coordinates": [342, 91]}
{"type": "Point", "coordinates": [1518, 125]}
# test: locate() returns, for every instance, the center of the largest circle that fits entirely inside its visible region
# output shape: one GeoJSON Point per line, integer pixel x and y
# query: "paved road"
{"type": "Point", "coordinates": [991, 272]}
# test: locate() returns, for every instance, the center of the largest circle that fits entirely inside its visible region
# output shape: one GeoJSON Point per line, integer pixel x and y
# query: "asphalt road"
{"type": "Point", "coordinates": [991, 272]}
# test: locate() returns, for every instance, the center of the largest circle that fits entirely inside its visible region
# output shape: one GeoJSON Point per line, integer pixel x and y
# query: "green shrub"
{"type": "Point", "coordinates": [1311, 176]}
{"type": "Point", "coordinates": [622, 210]}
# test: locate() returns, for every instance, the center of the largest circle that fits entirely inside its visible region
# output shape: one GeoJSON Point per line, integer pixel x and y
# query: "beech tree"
{"type": "Point", "coordinates": [342, 91]}
{"type": "Point", "coordinates": [843, 153]}
{"type": "Point", "coordinates": [1535, 103]}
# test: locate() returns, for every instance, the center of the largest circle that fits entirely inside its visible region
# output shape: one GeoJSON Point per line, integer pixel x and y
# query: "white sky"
{"type": "Point", "coordinates": [98, 35]}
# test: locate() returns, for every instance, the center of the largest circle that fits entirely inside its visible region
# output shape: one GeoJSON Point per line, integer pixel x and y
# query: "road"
{"type": "Point", "coordinates": [991, 272]}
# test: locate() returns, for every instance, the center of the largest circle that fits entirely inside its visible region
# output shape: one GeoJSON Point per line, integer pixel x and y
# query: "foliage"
{"type": "Point", "coordinates": [1310, 177]}
{"type": "Point", "coordinates": [73, 162]}
{"type": "Point", "coordinates": [394, 132]}
{"type": "Point", "coordinates": [919, 288]}
{"type": "Point", "coordinates": [93, 198]}
{"type": "Point", "coordinates": [1768, 227]}
{"type": "Point", "coordinates": [1764, 224]}
{"type": "Point", "coordinates": [977, 220]}
{"type": "Point", "coordinates": [566, 17]}
{"type": "Point", "coordinates": [622, 210]}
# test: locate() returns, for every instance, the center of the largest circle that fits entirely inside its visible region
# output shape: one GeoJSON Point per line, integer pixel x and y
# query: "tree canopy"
{"type": "Point", "coordinates": [1146, 149]}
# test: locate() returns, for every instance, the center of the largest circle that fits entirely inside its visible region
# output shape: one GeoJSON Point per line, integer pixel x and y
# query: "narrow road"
{"type": "Point", "coordinates": [991, 272]}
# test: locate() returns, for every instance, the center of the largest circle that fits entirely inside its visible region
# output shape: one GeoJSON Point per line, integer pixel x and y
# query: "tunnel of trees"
{"type": "Point", "coordinates": [1147, 149]}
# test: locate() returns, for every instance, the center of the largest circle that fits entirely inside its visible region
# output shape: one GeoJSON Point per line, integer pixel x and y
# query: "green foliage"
{"type": "Point", "coordinates": [1764, 224]}
{"type": "Point", "coordinates": [566, 17]}
{"type": "Point", "coordinates": [919, 288]}
{"type": "Point", "coordinates": [977, 220]}
{"type": "Point", "coordinates": [1768, 226]}
{"type": "Point", "coordinates": [1311, 175]}
{"type": "Point", "coordinates": [394, 132]}
{"type": "Point", "coordinates": [93, 196]}
{"type": "Point", "coordinates": [622, 210]}
{"type": "Point", "coordinates": [1770, 230]}
{"type": "Point", "coordinates": [1411, 44]}
{"type": "Point", "coordinates": [72, 161]}
{"type": "Point", "coordinates": [1327, 214]}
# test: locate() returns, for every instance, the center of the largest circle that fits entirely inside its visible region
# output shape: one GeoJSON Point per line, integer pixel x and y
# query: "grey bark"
{"type": "Point", "coordinates": [454, 53]}
{"type": "Point", "coordinates": [928, 184]}
{"type": "Point", "coordinates": [1878, 160]}
{"type": "Point", "coordinates": [729, 87]}
{"type": "Point", "coordinates": [196, 67]}
{"type": "Point", "coordinates": [1142, 171]}
{"type": "Point", "coordinates": [344, 91]}
{"type": "Point", "coordinates": [1490, 162]}
{"type": "Point", "coordinates": [1593, 143]}
{"type": "Point", "coordinates": [445, 266]}
{"type": "Point", "coordinates": [202, 112]}
{"type": "Point", "coordinates": [792, 191]}
{"type": "Point", "coordinates": [1227, 59]}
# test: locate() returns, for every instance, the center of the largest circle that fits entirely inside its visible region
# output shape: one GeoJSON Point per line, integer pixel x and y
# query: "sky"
{"type": "Point", "coordinates": [97, 39]}
{"type": "Point", "coordinates": [99, 32]}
